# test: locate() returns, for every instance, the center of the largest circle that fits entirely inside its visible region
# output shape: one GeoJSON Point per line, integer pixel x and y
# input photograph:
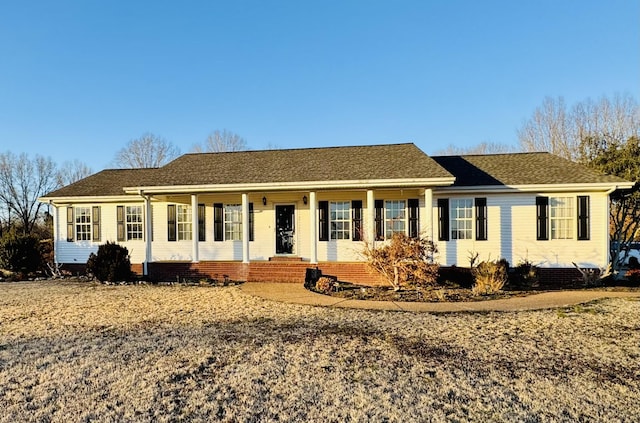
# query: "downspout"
{"type": "Point", "coordinates": [54, 221]}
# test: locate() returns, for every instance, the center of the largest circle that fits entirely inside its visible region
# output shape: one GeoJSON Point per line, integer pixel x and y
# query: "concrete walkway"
{"type": "Point", "coordinates": [297, 294]}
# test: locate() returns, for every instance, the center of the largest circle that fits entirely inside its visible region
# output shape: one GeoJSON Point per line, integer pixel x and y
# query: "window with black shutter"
{"type": "Point", "coordinates": [218, 222]}
{"type": "Point", "coordinates": [542, 218]}
{"type": "Point", "coordinates": [443, 219]}
{"type": "Point", "coordinates": [414, 217]}
{"type": "Point", "coordinates": [323, 221]}
{"type": "Point", "coordinates": [356, 218]}
{"type": "Point", "coordinates": [481, 219]}
{"type": "Point", "coordinates": [379, 219]}
{"type": "Point", "coordinates": [583, 218]}
{"type": "Point", "coordinates": [171, 222]}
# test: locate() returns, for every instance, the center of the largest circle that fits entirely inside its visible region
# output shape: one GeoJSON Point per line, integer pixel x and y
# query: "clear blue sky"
{"type": "Point", "coordinates": [78, 79]}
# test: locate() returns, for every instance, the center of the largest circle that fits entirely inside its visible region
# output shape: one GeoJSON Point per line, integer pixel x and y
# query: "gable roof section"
{"type": "Point", "coordinates": [359, 163]}
{"type": "Point", "coordinates": [362, 164]}
{"type": "Point", "coordinates": [108, 182]}
{"type": "Point", "coordinates": [520, 169]}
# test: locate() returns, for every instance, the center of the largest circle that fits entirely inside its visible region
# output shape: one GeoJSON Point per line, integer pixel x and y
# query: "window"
{"type": "Point", "coordinates": [395, 217]}
{"type": "Point", "coordinates": [183, 215]}
{"type": "Point", "coordinates": [83, 223]}
{"type": "Point", "coordinates": [134, 222]}
{"type": "Point", "coordinates": [233, 222]}
{"type": "Point", "coordinates": [561, 217]}
{"type": "Point", "coordinates": [340, 215]}
{"type": "Point", "coordinates": [461, 218]}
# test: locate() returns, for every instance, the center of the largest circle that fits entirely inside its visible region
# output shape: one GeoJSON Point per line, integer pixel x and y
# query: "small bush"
{"type": "Point", "coordinates": [404, 261]}
{"type": "Point", "coordinates": [525, 276]}
{"type": "Point", "coordinates": [325, 285]}
{"type": "Point", "coordinates": [490, 277]}
{"type": "Point", "coordinates": [111, 264]}
{"type": "Point", "coordinates": [20, 254]}
{"type": "Point", "coordinates": [633, 276]}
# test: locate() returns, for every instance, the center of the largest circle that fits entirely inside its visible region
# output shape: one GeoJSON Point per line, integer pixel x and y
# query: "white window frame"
{"type": "Point", "coordinates": [232, 222]}
{"type": "Point", "coordinates": [461, 219]}
{"type": "Point", "coordinates": [395, 218]}
{"type": "Point", "coordinates": [134, 223]}
{"type": "Point", "coordinates": [82, 223]}
{"type": "Point", "coordinates": [184, 222]}
{"type": "Point", "coordinates": [562, 217]}
{"type": "Point", "coordinates": [339, 220]}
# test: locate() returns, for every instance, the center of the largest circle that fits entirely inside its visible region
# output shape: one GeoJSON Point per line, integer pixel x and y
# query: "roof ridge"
{"type": "Point", "coordinates": [299, 149]}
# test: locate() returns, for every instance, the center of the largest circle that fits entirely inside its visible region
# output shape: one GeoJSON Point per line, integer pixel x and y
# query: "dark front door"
{"type": "Point", "coordinates": [285, 229]}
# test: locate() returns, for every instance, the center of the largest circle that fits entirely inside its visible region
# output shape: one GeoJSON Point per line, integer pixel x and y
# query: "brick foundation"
{"type": "Point", "coordinates": [294, 272]}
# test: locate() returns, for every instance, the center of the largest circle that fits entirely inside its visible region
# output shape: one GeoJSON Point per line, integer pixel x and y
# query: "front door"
{"type": "Point", "coordinates": [285, 229]}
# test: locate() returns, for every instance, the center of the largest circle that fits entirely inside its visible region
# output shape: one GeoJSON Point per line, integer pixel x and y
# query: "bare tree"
{"type": "Point", "coordinates": [482, 148]}
{"type": "Point", "coordinates": [218, 142]}
{"type": "Point", "coordinates": [559, 130]}
{"type": "Point", "coordinates": [22, 182]}
{"type": "Point", "coordinates": [72, 171]}
{"type": "Point", "coordinates": [147, 151]}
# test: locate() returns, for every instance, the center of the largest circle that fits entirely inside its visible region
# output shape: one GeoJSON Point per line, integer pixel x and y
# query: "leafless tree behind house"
{"type": "Point", "coordinates": [147, 151]}
{"type": "Point", "coordinates": [559, 130]}
{"type": "Point", "coordinates": [218, 142]}
{"type": "Point", "coordinates": [72, 171]}
{"type": "Point", "coordinates": [22, 182]}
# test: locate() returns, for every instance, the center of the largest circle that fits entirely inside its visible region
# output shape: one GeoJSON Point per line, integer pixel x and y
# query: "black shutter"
{"type": "Point", "coordinates": [202, 228]}
{"type": "Point", "coordinates": [414, 214]}
{"type": "Point", "coordinates": [69, 224]}
{"type": "Point", "coordinates": [583, 218]}
{"type": "Point", "coordinates": [542, 212]}
{"type": "Point", "coordinates": [481, 219]}
{"type": "Point", "coordinates": [379, 219]}
{"type": "Point", "coordinates": [356, 218]}
{"type": "Point", "coordinates": [218, 222]}
{"type": "Point", "coordinates": [171, 222]}
{"type": "Point", "coordinates": [323, 221]}
{"type": "Point", "coordinates": [252, 226]}
{"type": "Point", "coordinates": [120, 223]}
{"type": "Point", "coordinates": [443, 219]}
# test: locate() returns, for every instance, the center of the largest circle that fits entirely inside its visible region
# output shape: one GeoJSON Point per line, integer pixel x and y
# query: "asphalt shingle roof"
{"type": "Point", "coordinates": [107, 182]}
{"type": "Point", "coordinates": [378, 162]}
{"type": "Point", "coordinates": [519, 169]}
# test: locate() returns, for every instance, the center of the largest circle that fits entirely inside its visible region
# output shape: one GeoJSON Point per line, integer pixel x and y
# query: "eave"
{"type": "Point", "coordinates": [293, 186]}
{"type": "Point", "coordinates": [506, 189]}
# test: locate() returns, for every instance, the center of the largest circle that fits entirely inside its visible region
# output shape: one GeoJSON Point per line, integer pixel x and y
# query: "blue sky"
{"type": "Point", "coordinates": [79, 79]}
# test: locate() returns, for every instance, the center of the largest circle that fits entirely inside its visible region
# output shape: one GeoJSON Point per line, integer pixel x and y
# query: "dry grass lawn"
{"type": "Point", "coordinates": [87, 352]}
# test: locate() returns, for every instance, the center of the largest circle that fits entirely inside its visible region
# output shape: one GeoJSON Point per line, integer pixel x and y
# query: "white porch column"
{"type": "Point", "coordinates": [149, 235]}
{"type": "Point", "coordinates": [313, 233]}
{"type": "Point", "coordinates": [371, 218]}
{"type": "Point", "coordinates": [427, 224]}
{"type": "Point", "coordinates": [245, 227]}
{"type": "Point", "coordinates": [194, 228]}
{"type": "Point", "coordinates": [53, 209]}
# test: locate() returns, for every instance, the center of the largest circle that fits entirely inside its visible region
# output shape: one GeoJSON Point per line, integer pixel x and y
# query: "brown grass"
{"type": "Point", "coordinates": [81, 352]}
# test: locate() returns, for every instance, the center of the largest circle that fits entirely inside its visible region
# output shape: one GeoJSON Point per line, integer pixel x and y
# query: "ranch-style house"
{"type": "Point", "coordinates": [269, 215]}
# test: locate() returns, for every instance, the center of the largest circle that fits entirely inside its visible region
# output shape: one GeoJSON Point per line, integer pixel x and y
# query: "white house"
{"type": "Point", "coordinates": [268, 215]}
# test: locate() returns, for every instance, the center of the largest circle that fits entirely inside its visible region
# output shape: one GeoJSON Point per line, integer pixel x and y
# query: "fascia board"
{"type": "Point", "coordinates": [505, 189]}
{"type": "Point", "coordinates": [294, 186]}
{"type": "Point", "coordinates": [58, 201]}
